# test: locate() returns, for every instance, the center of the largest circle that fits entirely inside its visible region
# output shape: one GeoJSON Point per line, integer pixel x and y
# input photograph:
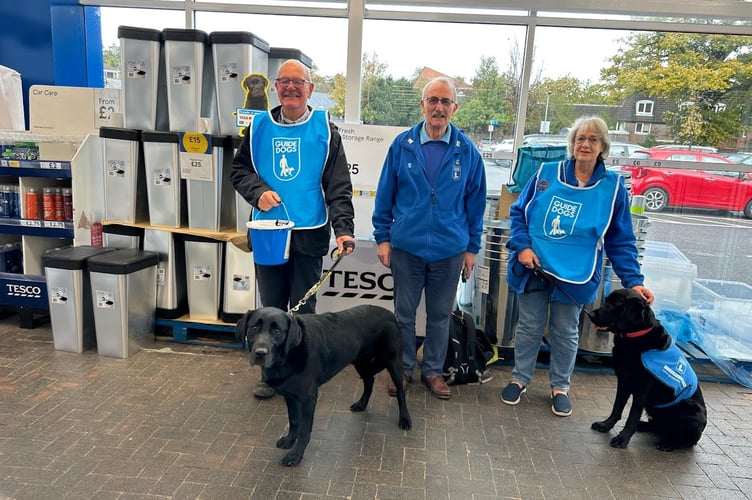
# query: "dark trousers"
{"type": "Point", "coordinates": [284, 285]}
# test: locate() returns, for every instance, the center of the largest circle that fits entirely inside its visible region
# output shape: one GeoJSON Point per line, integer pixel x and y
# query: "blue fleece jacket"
{"type": "Point", "coordinates": [433, 221]}
{"type": "Point", "coordinates": [618, 242]}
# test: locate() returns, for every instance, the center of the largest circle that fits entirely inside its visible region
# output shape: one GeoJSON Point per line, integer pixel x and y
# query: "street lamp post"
{"type": "Point", "coordinates": [545, 116]}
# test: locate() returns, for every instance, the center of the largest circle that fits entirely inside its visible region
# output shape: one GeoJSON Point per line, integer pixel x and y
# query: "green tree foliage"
{"type": "Point", "coordinates": [488, 101]}
{"type": "Point", "coordinates": [695, 72]}
{"type": "Point", "coordinates": [111, 56]}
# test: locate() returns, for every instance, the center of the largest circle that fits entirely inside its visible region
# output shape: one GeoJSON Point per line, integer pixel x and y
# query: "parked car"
{"type": "Point", "coordinates": [745, 158]}
{"type": "Point", "coordinates": [709, 187]}
{"type": "Point", "coordinates": [706, 149]}
{"type": "Point", "coordinates": [624, 149]}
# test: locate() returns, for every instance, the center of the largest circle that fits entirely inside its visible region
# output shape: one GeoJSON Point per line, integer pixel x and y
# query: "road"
{"type": "Point", "coordinates": [718, 243]}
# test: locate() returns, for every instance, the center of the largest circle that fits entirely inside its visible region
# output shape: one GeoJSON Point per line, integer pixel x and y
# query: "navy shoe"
{"type": "Point", "coordinates": [511, 393]}
{"type": "Point", "coordinates": [560, 405]}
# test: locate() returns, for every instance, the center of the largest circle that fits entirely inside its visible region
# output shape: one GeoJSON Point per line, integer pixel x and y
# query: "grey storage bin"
{"type": "Point", "coordinates": [235, 55]}
{"type": "Point", "coordinates": [119, 236]}
{"type": "Point", "coordinates": [190, 80]}
{"type": "Point", "coordinates": [239, 289]}
{"type": "Point", "coordinates": [166, 199]}
{"type": "Point", "coordinates": [143, 78]}
{"type": "Point", "coordinates": [278, 55]}
{"type": "Point", "coordinates": [172, 295]}
{"type": "Point", "coordinates": [211, 203]}
{"type": "Point", "coordinates": [124, 184]}
{"type": "Point", "coordinates": [203, 267]}
{"type": "Point", "coordinates": [69, 296]}
{"type": "Point", "coordinates": [124, 294]}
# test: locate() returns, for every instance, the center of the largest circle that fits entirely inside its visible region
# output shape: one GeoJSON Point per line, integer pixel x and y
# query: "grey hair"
{"type": "Point", "coordinates": [594, 123]}
{"type": "Point", "coordinates": [442, 79]}
{"type": "Point", "coordinates": [306, 71]}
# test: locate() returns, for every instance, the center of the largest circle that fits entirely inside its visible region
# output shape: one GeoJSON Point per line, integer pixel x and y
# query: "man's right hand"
{"type": "Point", "coordinates": [268, 200]}
{"type": "Point", "coordinates": [384, 253]}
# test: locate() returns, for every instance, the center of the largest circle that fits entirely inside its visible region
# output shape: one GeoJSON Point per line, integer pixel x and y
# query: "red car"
{"type": "Point", "coordinates": [713, 188]}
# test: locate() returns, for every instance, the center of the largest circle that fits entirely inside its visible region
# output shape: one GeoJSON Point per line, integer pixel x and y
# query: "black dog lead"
{"type": "Point", "coordinates": [540, 273]}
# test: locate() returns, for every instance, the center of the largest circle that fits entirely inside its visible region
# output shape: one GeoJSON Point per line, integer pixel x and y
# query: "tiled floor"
{"type": "Point", "coordinates": [180, 421]}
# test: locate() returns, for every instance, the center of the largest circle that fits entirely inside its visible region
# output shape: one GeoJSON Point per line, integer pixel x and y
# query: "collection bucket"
{"type": "Point", "coordinates": [270, 240]}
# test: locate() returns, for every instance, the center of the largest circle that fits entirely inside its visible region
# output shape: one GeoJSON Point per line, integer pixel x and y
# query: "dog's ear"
{"type": "Point", "coordinates": [294, 333]}
{"type": "Point", "coordinates": [241, 327]}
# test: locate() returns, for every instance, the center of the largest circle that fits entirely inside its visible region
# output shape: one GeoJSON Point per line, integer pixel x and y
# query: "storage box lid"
{"type": "Point", "coordinates": [137, 33]}
{"type": "Point", "coordinates": [124, 134]}
{"type": "Point", "coordinates": [73, 258]}
{"type": "Point", "coordinates": [122, 261]}
{"type": "Point", "coordinates": [184, 35]}
{"type": "Point", "coordinates": [242, 37]}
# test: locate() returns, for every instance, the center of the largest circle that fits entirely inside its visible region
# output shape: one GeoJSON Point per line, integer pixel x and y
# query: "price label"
{"type": "Point", "coordinates": [194, 142]}
{"type": "Point", "coordinates": [53, 165]}
{"type": "Point", "coordinates": [54, 224]}
{"type": "Point", "coordinates": [31, 223]}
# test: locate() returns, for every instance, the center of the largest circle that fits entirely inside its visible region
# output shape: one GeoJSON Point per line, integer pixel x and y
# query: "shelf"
{"type": "Point", "coordinates": [28, 227]}
{"type": "Point", "coordinates": [36, 168]}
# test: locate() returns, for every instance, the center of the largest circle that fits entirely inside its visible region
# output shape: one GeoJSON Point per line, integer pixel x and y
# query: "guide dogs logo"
{"type": "Point", "coordinates": [561, 217]}
{"type": "Point", "coordinates": [286, 158]}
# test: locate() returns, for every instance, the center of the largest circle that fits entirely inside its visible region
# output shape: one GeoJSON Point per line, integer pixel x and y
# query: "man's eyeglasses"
{"type": "Point", "coordinates": [592, 140]}
{"type": "Point", "coordinates": [296, 82]}
{"type": "Point", "coordinates": [433, 101]}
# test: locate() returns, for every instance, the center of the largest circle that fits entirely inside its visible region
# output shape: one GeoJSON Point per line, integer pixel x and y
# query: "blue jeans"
{"type": "Point", "coordinates": [535, 307]}
{"type": "Point", "coordinates": [413, 276]}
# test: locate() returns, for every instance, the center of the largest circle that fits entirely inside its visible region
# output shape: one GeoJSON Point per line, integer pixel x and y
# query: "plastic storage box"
{"type": "Point", "coordinates": [669, 275]}
{"type": "Point", "coordinates": [725, 305]}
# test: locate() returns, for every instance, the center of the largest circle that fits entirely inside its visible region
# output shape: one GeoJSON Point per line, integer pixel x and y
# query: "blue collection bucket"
{"type": "Point", "coordinates": [270, 239]}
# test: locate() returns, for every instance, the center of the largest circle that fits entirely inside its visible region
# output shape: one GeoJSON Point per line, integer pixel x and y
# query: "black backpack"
{"type": "Point", "coordinates": [468, 353]}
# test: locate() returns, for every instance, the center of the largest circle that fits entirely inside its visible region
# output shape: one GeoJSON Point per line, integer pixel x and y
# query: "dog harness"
{"type": "Point", "coordinates": [673, 370]}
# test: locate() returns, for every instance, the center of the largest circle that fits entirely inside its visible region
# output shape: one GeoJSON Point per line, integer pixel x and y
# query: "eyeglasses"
{"type": "Point", "coordinates": [592, 140]}
{"type": "Point", "coordinates": [296, 82]}
{"type": "Point", "coordinates": [433, 101]}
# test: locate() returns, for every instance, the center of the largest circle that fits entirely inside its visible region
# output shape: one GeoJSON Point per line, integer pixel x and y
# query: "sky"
{"type": "Point", "coordinates": [453, 49]}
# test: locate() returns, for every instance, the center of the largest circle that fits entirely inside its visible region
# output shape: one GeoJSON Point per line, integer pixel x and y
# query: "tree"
{"type": "Point", "coordinates": [488, 101]}
{"type": "Point", "coordinates": [111, 56]}
{"type": "Point", "coordinates": [699, 73]}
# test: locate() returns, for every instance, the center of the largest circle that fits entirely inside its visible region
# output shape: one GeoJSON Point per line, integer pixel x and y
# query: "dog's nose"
{"type": "Point", "coordinates": [259, 355]}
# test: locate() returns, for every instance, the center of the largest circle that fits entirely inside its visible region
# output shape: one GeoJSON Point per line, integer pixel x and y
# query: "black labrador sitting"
{"type": "Point", "coordinates": [298, 353]}
{"type": "Point", "coordinates": [650, 368]}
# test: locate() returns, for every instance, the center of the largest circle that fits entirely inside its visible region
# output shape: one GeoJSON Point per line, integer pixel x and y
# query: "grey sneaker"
{"type": "Point", "coordinates": [263, 391]}
{"type": "Point", "coordinates": [560, 405]}
{"type": "Point", "coordinates": [511, 393]}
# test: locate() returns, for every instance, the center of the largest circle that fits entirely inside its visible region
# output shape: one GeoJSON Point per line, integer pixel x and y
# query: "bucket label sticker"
{"type": "Point", "coordinates": [228, 72]}
{"type": "Point", "coordinates": [163, 177]}
{"type": "Point", "coordinates": [286, 157]}
{"type": "Point", "coordinates": [241, 283]}
{"type": "Point", "coordinates": [59, 295]}
{"type": "Point", "coordinates": [202, 272]}
{"type": "Point", "coordinates": [116, 168]}
{"type": "Point", "coordinates": [161, 277]}
{"type": "Point", "coordinates": [105, 299]}
{"type": "Point", "coordinates": [136, 69]}
{"type": "Point", "coordinates": [181, 75]}
{"type": "Point", "coordinates": [482, 275]}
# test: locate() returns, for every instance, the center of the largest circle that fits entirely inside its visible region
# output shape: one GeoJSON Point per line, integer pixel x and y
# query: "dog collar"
{"type": "Point", "coordinates": [638, 333]}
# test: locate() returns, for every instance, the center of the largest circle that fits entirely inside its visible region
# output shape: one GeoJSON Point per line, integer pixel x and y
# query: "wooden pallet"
{"type": "Point", "coordinates": [200, 332]}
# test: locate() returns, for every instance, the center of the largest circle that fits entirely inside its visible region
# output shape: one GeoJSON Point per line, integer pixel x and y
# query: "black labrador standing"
{"type": "Point", "coordinates": [650, 368]}
{"type": "Point", "coordinates": [298, 353]}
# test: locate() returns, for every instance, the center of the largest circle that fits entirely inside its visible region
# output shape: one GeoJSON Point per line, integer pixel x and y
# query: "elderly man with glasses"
{"type": "Point", "coordinates": [428, 221]}
{"type": "Point", "coordinates": [293, 163]}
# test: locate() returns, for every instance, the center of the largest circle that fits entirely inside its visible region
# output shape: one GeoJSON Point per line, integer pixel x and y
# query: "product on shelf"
{"type": "Point", "coordinates": [32, 203]}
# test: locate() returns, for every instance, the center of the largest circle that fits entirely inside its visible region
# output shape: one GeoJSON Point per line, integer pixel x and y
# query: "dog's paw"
{"type": "Point", "coordinates": [661, 446]}
{"type": "Point", "coordinates": [286, 442]}
{"type": "Point", "coordinates": [602, 426]}
{"type": "Point", "coordinates": [619, 441]}
{"type": "Point", "coordinates": [292, 458]}
{"type": "Point", "coordinates": [405, 423]}
{"type": "Point", "coordinates": [358, 406]}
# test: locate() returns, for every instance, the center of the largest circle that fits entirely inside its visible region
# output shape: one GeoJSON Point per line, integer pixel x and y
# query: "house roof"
{"type": "Point", "coordinates": [427, 74]}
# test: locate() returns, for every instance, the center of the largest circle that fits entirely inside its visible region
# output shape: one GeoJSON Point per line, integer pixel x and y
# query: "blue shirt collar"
{"type": "Point", "coordinates": [424, 138]}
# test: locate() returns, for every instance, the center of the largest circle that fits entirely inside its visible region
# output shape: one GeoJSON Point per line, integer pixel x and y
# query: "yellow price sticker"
{"type": "Point", "coordinates": [193, 142]}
